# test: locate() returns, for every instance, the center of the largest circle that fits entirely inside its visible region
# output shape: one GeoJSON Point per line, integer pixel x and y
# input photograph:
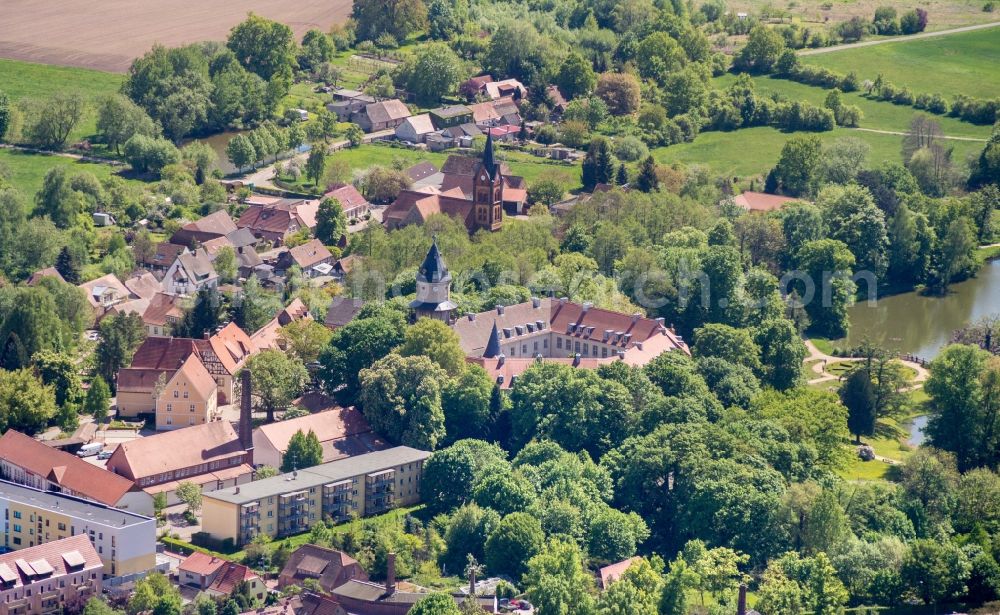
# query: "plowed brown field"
{"type": "Point", "coordinates": [108, 34]}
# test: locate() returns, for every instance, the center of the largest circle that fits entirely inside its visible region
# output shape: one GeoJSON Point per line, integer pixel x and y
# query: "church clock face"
{"type": "Point", "coordinates": [482, 177]}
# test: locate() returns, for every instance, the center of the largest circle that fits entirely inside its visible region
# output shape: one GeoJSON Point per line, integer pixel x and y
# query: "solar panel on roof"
{"type": "Point", "coordinates": [73, 559]}
{"type": "Point", "coordinates": [42, 567]}
{"type": "Point", "coordinates": [6, 574]}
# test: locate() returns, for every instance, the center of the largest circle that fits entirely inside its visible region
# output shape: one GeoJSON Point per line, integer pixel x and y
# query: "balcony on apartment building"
{"type": "Point", "coordinates": [379, 490]}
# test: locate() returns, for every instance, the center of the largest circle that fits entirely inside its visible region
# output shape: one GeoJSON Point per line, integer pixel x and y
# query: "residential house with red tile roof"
{"type": "Point", "coordinates": [328, 567]}
{"type": "Point", "coordinates": [312, 258]}
{"type": "Point", "coordinates": [161, 257]}
{"type": "Point", "coordinates": [275, 221]}
{"type": "Point", "coordinates": [157, 358]}
{"type": "Point", "coordinates": [26, 461]}
{"type": "Point", "coordinates": [210, 455]}
{"type": "Point", "coordinates": [269, 336]}
{"type": "Point", "coordinates": [162, 314]}
{"type": "Point", "coordinates": [49, 577]}
{"type": "Point", "coordinates": [218, 577]}
{"type": "Point", "coordinates": [188, 397]}
{"type": "Point", "coordinates": [351, 201]}
{"type": "Point", "coordinates": [215, 224]}
{"type": "Point", "coordinates": [342, 432]}
{"type": "Point", "coordinates": [48, 272]}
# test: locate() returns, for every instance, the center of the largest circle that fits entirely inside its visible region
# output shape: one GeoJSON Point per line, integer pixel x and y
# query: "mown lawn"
{"type": "Point", "coordinates": [966, 63]}
{"type": "Point", "coordinates": [754, 151]}
{"type": "Point", "coordinates": [27, 170]}
{"type": "Point", "coordinates": [878, 115]}
{"type": "Point", "coordinates": [365, 156]}
{"type": "Point", "coordinates": [21, 80]}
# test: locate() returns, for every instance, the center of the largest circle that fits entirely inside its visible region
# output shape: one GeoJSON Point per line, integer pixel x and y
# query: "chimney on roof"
{"type": "Point", "coordinates": [562, 300]}
{"type": "Point", "coordinates": [536, 302]}
{"type": "Point", "coordinates": [586, 306]}
{"type": "Point", "coordinates": [246, 422]}
{"type": "Point", "coordinates": [390, 574]}
{"type": "Point", "coordinates": [741, 602]}
{"type": "Point", "coordinates": [499, 310]}
{"type": "Point", "coordinates": [576, 359]}
{"type": "Point", "coordinates": [470, 316]}
{"type": "Point", "coordinates": [636, 317]}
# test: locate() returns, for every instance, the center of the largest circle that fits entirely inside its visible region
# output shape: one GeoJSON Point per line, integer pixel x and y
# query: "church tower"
{"type": "Point", "coordinates": [487, 190]}
{"type": "Point", "coordinates": [433, 298]}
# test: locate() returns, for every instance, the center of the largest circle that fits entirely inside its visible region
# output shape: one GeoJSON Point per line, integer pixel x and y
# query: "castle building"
{"type": "Point", "coordinates": [509, 339]}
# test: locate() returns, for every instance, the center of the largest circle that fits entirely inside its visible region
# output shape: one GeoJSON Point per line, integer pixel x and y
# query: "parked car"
{"type": "Point", "coordinates": [104, 455]}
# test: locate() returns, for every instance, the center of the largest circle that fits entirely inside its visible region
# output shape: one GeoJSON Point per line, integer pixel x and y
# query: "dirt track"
{"type": "Point", "coordinates": [108, 34]}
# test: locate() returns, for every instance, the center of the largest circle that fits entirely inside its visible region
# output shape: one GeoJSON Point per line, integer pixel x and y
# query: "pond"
{"type": "Point", "coordinates": [915, 429]}
{"type": "Point", "coordinates": [218, 143]}
{"type": "Point", "coordinates": [922, 325]}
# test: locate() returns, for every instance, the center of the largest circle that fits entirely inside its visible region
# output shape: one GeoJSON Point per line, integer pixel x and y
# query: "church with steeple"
{"type": "Point", "coordinates": [479, 192]}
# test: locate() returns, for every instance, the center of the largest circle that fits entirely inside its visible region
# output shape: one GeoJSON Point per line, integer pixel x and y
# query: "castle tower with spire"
{"type": "Point", "coordinates": [487, 190]}
{"type": "Point", "coordinates": [433, 298]}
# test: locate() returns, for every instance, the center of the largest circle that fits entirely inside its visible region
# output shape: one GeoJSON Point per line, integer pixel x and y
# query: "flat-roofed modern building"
{"type": "Point", "coordinates": [47, 578]}
{"type": "Point", "coordinates": [290, 503]}
{"type": "Point", "coordinates": [125, 541]}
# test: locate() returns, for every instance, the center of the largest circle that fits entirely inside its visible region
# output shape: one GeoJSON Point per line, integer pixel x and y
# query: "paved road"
{"type": "Point", "coordinates": [898, 39]}
{"type": "Point", "coordinates": [903, 134]}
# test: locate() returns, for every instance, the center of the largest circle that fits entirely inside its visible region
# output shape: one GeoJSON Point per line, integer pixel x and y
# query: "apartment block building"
{"type": "Point", "coordinates": [291, 503]}
{"type": "Point", "coordinates": [124, 541]}
{"type": "Point", "coordinates": [47, 578]}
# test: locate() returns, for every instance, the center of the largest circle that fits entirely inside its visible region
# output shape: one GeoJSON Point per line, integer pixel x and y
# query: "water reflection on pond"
{"type": "Point", "coordinates": [922, 325]}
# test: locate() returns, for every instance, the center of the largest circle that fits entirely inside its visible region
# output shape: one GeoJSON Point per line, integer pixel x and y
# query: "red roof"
{"type": "Point", "coordinates": [612, 573]}
{"type": "Point", "coordinates": [201, 563]}
{"type": "Point", "coordinates": [66, 556]}
{"type": "Point", "coordinates": [761, 201]}
{"type": "Point", "coordinates": [66, 470]}
{"type": "Point", "coordinates": [230, 577]}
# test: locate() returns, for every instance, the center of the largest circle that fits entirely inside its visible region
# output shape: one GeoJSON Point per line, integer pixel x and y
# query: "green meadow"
{"type": "Point", "coordinates": [21, 80]}
{"type": "Point", "coordinates": [878, 114]}
{"type": "Point", "coordinates": [963, 63]}
{"type": "Point", "coordinates": [27, 170]}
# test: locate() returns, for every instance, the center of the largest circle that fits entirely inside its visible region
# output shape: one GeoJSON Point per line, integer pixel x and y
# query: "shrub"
{"type": "Point", "coordinates": [850, 82]}
{"type": "Point", "coordinates": [903, 97]}
{"type": "Point", "coordinates": [937, 104]}
{"type": "Point", "coordinates": [849, 115]}
{"type": "Point", "coordinates": [630, 149]}
{"type": "Point", "coordinates": [913, 21]}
